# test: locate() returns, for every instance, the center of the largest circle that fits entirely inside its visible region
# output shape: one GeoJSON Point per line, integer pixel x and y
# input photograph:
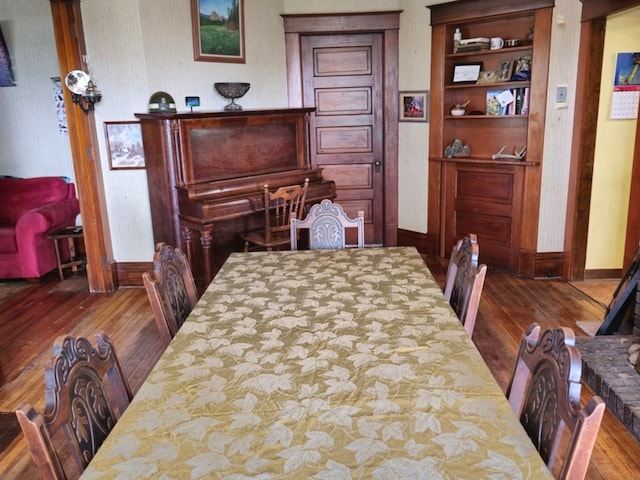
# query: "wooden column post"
{"type": "Point", "coordinates": [69, 37]}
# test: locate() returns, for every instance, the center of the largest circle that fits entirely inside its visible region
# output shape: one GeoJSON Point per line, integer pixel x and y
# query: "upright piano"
{"type": "Point", "coordinates": [206, 173]}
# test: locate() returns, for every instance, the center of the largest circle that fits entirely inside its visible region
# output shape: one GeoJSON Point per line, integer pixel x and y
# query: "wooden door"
{"type": "Point", "coordinates": [342, 79]}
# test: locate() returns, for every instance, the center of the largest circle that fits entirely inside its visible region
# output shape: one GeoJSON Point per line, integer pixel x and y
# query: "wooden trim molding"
{"type": "Point", "coordinates": [633, 218]}
{"type": "Point", "coordinates": [603, 273]}
{"type": "Point", "coordinates": [130, 273]}
{"type": "Point", "coordinates": [548, 265]}
{"type": "Point", "coordinates": [583, 148]}
{"type": "Point", "coordinates": [407, 238]}
{"type": "Point", "coordinates": [69, 37]}
{"type": "Point", "coordinates": [464, 10]}
{"type": "Point", "coordinates": [593, 9]}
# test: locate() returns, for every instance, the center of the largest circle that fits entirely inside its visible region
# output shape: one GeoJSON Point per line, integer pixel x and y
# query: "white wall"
{"type": "Point", "coordinates": [565, 38]}
{"type": "Point", "coordinates": [139, 47]}
{"type": "Point", "coordinates": [30, 143]}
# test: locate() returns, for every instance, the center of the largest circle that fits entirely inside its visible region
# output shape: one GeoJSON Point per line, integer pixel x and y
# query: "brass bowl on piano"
{"type": "Point", "coordinates": [232, 90]}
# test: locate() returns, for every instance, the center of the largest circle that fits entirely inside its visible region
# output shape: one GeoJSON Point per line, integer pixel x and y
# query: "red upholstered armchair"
{"type": "Point", "coordinates": [31, 209]}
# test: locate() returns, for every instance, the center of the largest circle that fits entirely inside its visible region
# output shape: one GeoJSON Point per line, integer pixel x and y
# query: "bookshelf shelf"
{"type": "Point", "coordinates": [482, 53]}
{"type": "Point", "coordinates": [488, 85]}
{"type": "Point", "coordinates": [497, 200]}
{"type": "Point", "coordinates": [463, 118]}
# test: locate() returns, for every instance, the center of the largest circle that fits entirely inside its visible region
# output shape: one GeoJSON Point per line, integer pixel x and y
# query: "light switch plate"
{"type": "Point", "coordinates": [561, 96]}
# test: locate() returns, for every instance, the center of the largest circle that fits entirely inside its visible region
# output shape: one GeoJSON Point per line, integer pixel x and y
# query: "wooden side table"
{"type": "Point", "coordinates": [71, 233]}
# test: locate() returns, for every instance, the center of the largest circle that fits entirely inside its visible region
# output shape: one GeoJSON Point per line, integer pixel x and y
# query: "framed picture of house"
{"type": "Point", "coordinates": [218, 30]}
{"type": "Point", "coordinates": [124, 145]}
{"type": "Point", "coordinates": [414, 106]}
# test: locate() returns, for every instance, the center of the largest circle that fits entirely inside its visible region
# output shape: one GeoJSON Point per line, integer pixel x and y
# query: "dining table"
{"type": "Point", "coordinates": [320, 364]}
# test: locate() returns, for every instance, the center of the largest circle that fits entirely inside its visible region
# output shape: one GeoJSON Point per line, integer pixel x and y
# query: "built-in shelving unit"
{"type": "Point", "coordinates": [498, 199]}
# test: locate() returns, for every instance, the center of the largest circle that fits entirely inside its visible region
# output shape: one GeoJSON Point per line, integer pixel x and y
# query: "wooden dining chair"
{"type": "Point", "coordinates": [172, 290]}
{"type": "Point", "coordinates": [86, 392]}
{"type": "Point", "coordinates": [464, 281]}
{"type": "Point", "coordinates": [544, 392]}
{"type": "Point", "coordinates": [280, 207]}
{"type": "Point", "coordinates": [327, 224]}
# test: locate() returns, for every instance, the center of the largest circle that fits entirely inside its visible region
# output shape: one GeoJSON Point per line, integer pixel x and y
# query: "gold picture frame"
{"type": "Point", "coordinates": [218, 36]}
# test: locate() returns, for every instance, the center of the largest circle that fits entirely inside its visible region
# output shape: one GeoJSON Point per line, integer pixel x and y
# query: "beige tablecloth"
{"type": "Point", "coordinates": [320, 364]}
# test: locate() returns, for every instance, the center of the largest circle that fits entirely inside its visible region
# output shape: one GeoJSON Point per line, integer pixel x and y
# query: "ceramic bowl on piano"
{"type": "Point", "coordinates": [232, 91]}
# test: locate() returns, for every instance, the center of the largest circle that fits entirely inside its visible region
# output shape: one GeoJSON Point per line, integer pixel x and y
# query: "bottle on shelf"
{"type": "Point", "coordinates": [457, 36]}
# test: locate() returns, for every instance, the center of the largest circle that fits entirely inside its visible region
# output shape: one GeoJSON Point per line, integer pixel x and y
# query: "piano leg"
{"type": "Point", "coordinates": [187, 241]}
{"type": "Point", "coordinates": [206, 238]}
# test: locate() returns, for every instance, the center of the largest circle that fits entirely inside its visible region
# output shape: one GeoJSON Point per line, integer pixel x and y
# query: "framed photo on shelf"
{"type": "Point", "coordinates": [414, 106]}
{"type": "Point", "coordinates": [466, 73]}
{"type": "Point", "coordinates": [218, 30]}
{"type": "Point", "coordinates": [488, 76]}
{"type": "Point", "coordinates": [505, 70]}
{"type": "Point", "coordinates": [124, 145]}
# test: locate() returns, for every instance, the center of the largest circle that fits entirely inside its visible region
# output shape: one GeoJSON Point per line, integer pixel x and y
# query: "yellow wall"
{"type": "Point", "coordinates": [613, 155]}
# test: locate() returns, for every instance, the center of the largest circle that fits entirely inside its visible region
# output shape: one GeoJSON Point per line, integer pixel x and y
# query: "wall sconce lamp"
{"type": "Point", "coordinates": [84, 92]}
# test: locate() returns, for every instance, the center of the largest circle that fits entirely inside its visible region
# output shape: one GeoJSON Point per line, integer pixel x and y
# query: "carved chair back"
{"type": "Point", "coordinates": [327, 223]}
{"type": "Point", "coordinates": [85, 394]}
{"type": "Point", "coordinates": [464, 281]}
{"type": "Point", "coordinates": [172, 291]}
{"type": "Point", "coordinates": [544, 392]}
{"type": "Point", "coordinates": [280, 207]}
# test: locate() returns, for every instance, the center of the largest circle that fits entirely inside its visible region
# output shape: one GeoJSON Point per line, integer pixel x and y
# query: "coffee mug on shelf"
{"type": "Point", "coordinates": [512, 42]}
{"type": "Point", "coordinates": [496, 43]}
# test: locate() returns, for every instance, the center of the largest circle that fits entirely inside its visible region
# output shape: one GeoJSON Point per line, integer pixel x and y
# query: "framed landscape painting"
{"type": "Point", "coordinates": [218, 30]}
{"type": "Point", "coordinates": [124, 145]}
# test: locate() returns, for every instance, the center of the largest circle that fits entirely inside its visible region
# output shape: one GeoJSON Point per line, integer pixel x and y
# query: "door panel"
{"type": "Point", "coordinates": [344, 139]}
{"type": "Point", "coordinates": [342, 79]}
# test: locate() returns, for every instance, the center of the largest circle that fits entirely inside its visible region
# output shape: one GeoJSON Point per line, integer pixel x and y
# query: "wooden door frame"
{"type": "Point", "coordinates": [69, 37]}
{"type": "Point", "coordinates": [386, 23]}
{"type": "Point", "coordinates": [592, 36]}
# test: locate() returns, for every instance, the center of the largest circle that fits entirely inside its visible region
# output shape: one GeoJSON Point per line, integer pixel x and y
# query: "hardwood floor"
{"type": "Point", "coordinates": [31, 320]}
{"type": "Point", "coordinates": [34, 317]}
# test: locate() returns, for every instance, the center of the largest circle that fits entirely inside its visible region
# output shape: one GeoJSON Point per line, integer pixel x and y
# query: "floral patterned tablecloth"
{"type": "Point", "coordinates": [327, 364]}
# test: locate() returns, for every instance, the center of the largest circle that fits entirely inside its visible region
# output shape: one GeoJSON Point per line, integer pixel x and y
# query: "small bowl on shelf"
{"type": "Point", "coordinates": [458, 112]}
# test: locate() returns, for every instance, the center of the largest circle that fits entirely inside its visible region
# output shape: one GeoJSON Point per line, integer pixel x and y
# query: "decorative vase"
{"type": "Point", "coordinates": [457, 112]}
{"type": "Point", "coordinates": [232, 91]}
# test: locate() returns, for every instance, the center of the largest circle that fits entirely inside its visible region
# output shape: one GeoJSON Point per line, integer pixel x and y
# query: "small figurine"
{"type": "Point", "coordinates": [529, 35]}
{"type": "Point", "coordinates": [517, 155]}
{"type": "Point", "coordinates": [457, 149]}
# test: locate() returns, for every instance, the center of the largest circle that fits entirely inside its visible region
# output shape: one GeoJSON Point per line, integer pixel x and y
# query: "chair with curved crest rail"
{"type": "Point", "coordinates": [281, 206]}
{"type": "Point", "coordinates": [86, 393]}
{"type": "Point", "coordinates": [327, 223]}
{"type": "Point", "coordinates": [544, 392]}
{"type": "Point", "coordinates": [464, 281]}
{"type": "Point", "coordinates": [172, 291]}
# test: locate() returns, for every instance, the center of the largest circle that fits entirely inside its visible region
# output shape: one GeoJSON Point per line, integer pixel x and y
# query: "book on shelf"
{"type": "Point", "coordinates": [508, 101]}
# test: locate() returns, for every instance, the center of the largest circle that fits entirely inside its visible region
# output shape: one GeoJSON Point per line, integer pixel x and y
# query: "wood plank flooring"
{"type": "Point", "coordinates": [31, 320]}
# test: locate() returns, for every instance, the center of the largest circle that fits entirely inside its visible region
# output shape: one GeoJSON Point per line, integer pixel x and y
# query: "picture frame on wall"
{"type": "Point", "coordinates": [124, 145]}
{"type": "Point", "coordinates": [218, 30]}
{"type": "Point", "coordinates": [413, 106]}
